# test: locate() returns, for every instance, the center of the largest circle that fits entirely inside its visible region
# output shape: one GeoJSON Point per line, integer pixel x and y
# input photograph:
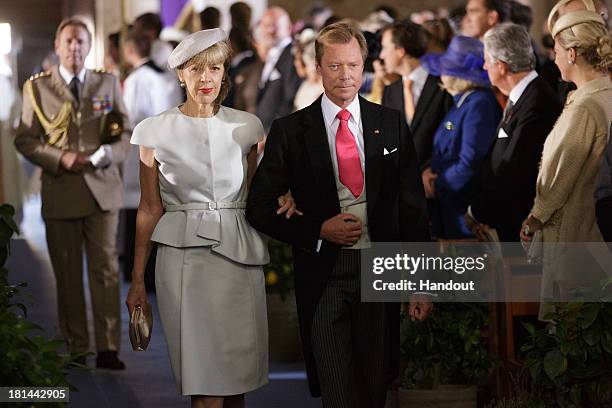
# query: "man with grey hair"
{"type": "Point", "coordinates": [511, 170]}
{"type": "Point", "coordinates": [279, 81]}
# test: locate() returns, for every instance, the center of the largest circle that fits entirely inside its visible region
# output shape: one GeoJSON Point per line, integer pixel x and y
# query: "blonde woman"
{"type": "Point", "coordinates": [196, 163]}
{"type": "Point", "coordinates": [464, 137]}
{"type": "Point", "coordinates": [564, 207]}
{"type": "Point", "coordinates": [312, 86]}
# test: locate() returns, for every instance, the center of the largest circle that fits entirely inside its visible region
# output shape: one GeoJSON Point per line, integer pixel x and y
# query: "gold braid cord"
{"type": "Point", "coordinates": [56, 129]}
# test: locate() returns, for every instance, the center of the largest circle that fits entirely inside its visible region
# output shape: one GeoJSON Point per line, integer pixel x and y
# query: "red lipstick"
{"type": "Point", "coordinates": [206, 90]}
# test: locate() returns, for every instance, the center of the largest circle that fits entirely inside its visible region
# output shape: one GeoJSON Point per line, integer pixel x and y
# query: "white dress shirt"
{"type": "Point", "coordinates": [418, 76]}
{"type": "Point", "coordinates": [67, 75]}
{"type": "Point", "coordinates": [330, 110]}
{"type": "Point", "coordinates": [517, 91]}
{"type": "Point", "coordinates": [268, 73]}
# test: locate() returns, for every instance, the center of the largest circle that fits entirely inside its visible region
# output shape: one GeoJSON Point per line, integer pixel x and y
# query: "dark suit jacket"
{"type": "Point", "coordinates": [297, 158]}
{"type": "Point", "coordinates": [275, 100]}
{"type": "Point", "coordinates": [433, 105]}
{"type": "Point", "coordinates": [511, 169]}
{"type": "Point", "coordinates": [235, 72]}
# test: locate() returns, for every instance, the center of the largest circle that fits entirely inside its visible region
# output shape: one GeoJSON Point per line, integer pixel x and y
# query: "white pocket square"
{"type": "Point", "coordinates": [386, 152]}
{"type": "Point", "coordinates": [502, 134]}
{"type": "Point", "coordinates": [274, 75]}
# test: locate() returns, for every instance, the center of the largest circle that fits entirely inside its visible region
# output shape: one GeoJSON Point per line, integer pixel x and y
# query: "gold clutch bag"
{"type": "Point", "coordinates": [141, 325]}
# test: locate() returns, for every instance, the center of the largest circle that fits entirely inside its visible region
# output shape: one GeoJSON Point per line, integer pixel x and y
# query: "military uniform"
{"type": "Point", "coordinates": [79, 209]}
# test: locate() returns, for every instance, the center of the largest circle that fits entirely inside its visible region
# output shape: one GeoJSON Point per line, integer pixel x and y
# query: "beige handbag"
{"type": "Point", "coordinates": [141, 325]}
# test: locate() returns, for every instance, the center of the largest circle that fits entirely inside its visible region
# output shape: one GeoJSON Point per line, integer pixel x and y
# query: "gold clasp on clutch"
{"type": "Point", "coordinates": [141, 325]}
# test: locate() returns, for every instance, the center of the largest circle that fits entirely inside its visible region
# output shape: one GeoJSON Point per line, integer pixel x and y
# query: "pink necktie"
{"type": "Point", "coordinates": [349, 165]}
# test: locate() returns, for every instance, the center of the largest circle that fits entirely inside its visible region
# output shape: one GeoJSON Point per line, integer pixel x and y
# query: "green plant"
{"type": "Point", "coordinates": [279, 272]}
{"type": "Point", "coordinates": [570, 362]}
{"type": "Point", "coordinates": [446, 348]}
{"type": "Point", "coordinates": [27, 359]}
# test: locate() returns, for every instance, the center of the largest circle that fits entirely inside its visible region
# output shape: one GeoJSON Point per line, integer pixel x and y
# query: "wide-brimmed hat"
{"type": "Point", "coordinates": [463, 59]}
{"type": "Point", "coordinates": [193, 44]}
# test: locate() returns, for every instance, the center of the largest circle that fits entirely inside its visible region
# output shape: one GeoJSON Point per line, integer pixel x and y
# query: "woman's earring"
{"type": "Point", "coordinates": [182, 84]}
{"type": "Point", "coordinates": [571, 62]}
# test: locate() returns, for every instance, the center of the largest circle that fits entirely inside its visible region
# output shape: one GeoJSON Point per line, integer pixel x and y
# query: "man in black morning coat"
{"type": "Point", "coordinates": [510, 173]}
{"type": "Point", "coordinates": [331, 155]}
{"type": "Point", "coordinates": [417, 94]}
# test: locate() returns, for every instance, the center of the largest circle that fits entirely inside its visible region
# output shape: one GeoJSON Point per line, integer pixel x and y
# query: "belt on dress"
{"type": "Point", "coordinates": [211, 206]}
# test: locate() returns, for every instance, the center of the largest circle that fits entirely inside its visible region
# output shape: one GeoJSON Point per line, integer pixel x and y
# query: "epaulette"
{"type": "Point", "coordinates": [40, 75]}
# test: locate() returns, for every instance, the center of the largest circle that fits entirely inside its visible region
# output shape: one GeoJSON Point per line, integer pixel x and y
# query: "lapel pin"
{"type": "Point", "coordinates": [449, 125]}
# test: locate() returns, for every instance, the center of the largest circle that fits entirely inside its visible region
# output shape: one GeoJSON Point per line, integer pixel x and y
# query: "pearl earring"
{"type": "Point", "coordinates": [182, 84]}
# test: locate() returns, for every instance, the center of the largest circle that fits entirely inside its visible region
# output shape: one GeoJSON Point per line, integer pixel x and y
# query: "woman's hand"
{"type": "Point", "coordinates": [429, 178]}
{"type": "Point", "coordinates": [529, 227]}
{"type": "Point", "coordinates": [137, 295]}
{"type": "Point", "coordinates": [286, 203]}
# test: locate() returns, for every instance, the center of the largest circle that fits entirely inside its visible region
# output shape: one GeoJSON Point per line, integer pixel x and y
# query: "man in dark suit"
{"type": "Point", "coordinates": [279, 81]}
{"type": "Point", "coordinates": [243, 57]}
{"type": "Point", "coordinates": [418, 95]}
{"type": "Point", "coordinates": [481, 15]}
{"type": "Point", "coordinates": [353, 172]}
{"type": "Point", "coordinates": [511, 170]}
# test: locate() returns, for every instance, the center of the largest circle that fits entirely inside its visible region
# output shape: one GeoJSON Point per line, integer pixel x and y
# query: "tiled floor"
{"type": "Point", "coordinates": [147, 382]}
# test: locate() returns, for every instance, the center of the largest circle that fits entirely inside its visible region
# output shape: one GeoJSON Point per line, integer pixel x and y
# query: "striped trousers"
{"type": "Point", "coordinates": [348, 340]}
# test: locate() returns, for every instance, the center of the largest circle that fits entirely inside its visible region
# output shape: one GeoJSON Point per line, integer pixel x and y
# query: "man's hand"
{"type": "Point", "coordinates": [420, 306]}
{"type": "Point", "coordinates": [429, 178]}
{"type": "Point", "coordinates": [73, 161]}
{"type": "Point", "coordinates": [343, 229]}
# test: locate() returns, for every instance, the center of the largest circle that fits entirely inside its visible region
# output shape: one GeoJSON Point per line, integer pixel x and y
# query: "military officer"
{"type": "Point", "coordinates": [72, 125]}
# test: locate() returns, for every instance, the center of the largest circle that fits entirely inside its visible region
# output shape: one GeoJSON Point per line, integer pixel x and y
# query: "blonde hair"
{"type": "Point", "coordinates": [454, 85]}
{"type": "Point", "coordinates": [591, 41]}
{"type": "Point", "coordinates": [341, 32]}
{"type": "Point", "coordinates": [218, 53]}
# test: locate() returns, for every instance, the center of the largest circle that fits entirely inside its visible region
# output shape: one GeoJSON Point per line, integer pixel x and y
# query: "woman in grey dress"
{"type": "Point", "coordinates": [196, 164]}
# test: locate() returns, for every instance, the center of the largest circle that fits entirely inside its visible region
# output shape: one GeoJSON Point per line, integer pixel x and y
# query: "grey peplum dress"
{"type": "Point", "coordinates": [209, 280]}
